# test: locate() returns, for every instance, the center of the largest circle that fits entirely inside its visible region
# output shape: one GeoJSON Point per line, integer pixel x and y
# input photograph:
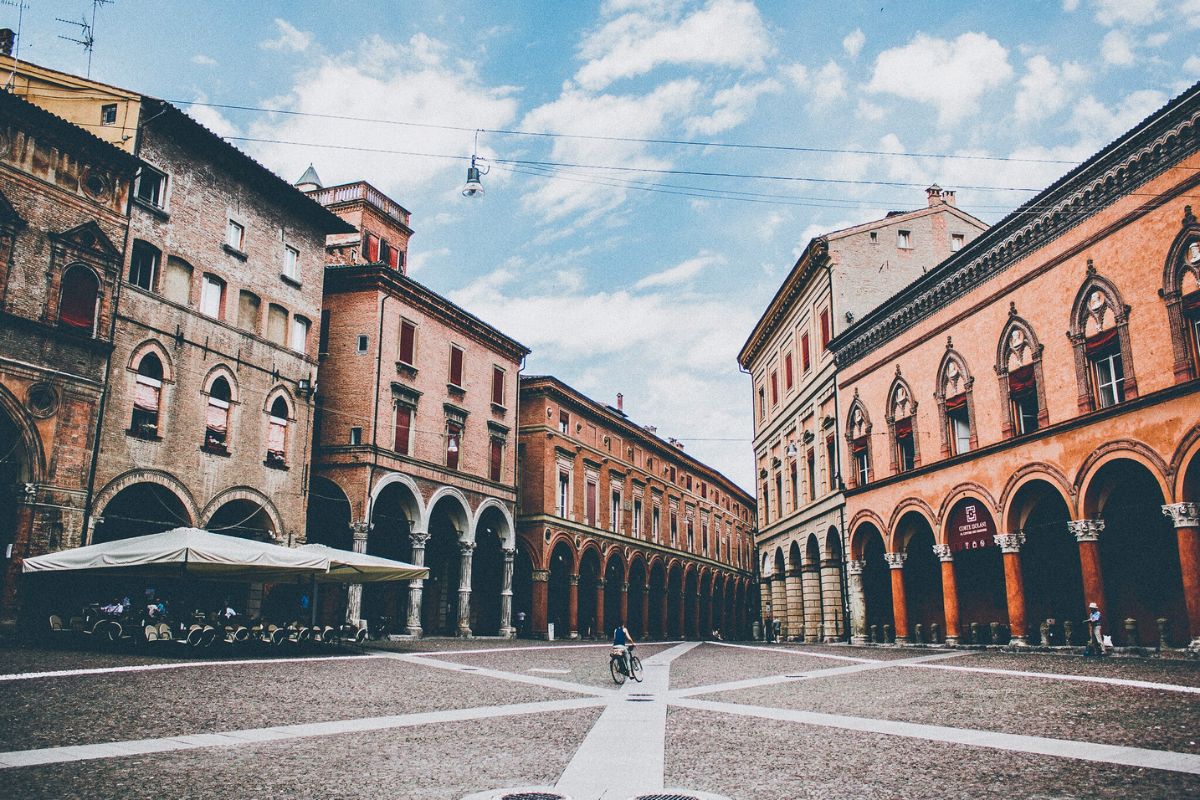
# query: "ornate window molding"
{"type": "Point", "coordinates": [1099, 313]}
{"type": "Point", "coordinates": [1181, 294]}
{"type": "Point", "coordinates": [955, 390]}
{"type": "Point", "coordinates": [902, 424]}
{"type": "Point", "coordinates": [858, 441]}
{"type": "Point", "coordinates": [1019, 351]}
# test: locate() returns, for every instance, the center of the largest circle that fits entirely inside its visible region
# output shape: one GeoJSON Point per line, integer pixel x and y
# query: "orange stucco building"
{"type": "Point", "coordinates": [1022, 423]}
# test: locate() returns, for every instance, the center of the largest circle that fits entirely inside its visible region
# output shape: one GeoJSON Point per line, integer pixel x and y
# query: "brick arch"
{"type": "Point", "coordinates": [1175, 267]}
{"type": "Point", "coordinates": [636, 558]}
{"type": "Point", "coordinates": [164, 357]}
{"type": "Point", "coordinates": [962, 490]}
{"type": "Point", "coordinates": [1038, 470]}
{"type": "Point", "coordinates": [913, 505]}
{"type": "Point", "coordinates": [279, 390]}
{"type": "Point", "coordinates": [222, 371]}
{"type": "Point", "coordinates": [1187, 451]}
{"type": "Point", "coordinates": [1128, 449]}
{"type": "Point", "coordinates": [29, 433]}
{"type": "Point", "coordinates": [556, 538]}
{"type": "Point", "coordinates": [135, 476]}
{"type": "Point", "coordinates": [245, 493]}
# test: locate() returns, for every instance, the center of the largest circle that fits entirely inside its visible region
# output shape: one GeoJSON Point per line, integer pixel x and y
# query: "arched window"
{"type": "Point", "coordinates": [216, 417]}
{"type": "Point", "coordinates": [858, 441]}
{"type": "Point", "coordinates": [902, 426]}
{"type": "Point", "coordinates": [177, 281]}
{"type": "Point", "coordinates": [1181, 293]}
{"type": "Point", "coordinates": [143, 264]}
{"type": "Point", "coordinates": [1019, 369]}
{"type": "Point", "coordinates": [277, 424]}
{"type": "Point", "coordinates": [80, 296]}
{"type": "Point", "coordinates": [147, 397]}
{"type": "Point", "coordinates": [956, 404]}
{"type": "Point", "coordinates": [1100, 337]}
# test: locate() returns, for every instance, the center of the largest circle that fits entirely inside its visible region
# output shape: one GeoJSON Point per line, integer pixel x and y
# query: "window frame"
{"type": "Point", "coordinates": [291, 263]}
{"type": "Point", "coordinates": [461, 367]}
{"type": "Point", "coordinates": [232, 225]}
{"type": "Point", "coordinates": [407, 325]}
{"type": "Point", "coordinates": [209, 282]}
{"type": "Point", "coordinates": [157, 198]}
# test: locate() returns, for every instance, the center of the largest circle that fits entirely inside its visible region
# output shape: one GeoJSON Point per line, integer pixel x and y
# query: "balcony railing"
{"type": "Point", "coordinates": [361, 191]}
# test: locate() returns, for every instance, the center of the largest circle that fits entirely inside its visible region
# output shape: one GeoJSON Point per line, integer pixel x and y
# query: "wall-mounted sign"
{"type": "Point", "coordinates": [970, 527]}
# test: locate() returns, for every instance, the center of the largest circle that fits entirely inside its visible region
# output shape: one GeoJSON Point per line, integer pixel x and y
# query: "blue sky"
{"type": "Point", "coordinates": [618, 288]}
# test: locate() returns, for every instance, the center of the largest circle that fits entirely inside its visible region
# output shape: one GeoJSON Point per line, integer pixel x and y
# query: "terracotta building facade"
{"type": "Point", "coordinates": [1022, 425]}
{"type": "Point", "coordinates": [838, 278]}
{"type": "Point", "coordinates": [616, 524]}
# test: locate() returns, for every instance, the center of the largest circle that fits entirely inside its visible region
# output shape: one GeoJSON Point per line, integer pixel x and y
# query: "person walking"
{"type": "Point", "coordinates": [1095, 634]}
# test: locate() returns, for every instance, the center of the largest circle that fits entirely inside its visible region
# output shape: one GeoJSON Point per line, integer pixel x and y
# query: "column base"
{"type": "Point", "coordinates": [858, 638]}
{"type": "Point", "coordinates": [414, 631]}
{"type": "Point", "coordinates": [508, 633]}
{"type": "Point", "coordinates": [951, 641]}
{"type": "Point", "coordinates": [1018, 641]}
{"type": "Point", "coordinates": [463, 633]}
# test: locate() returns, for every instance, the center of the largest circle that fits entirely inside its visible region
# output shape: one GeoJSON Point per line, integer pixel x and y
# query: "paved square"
{"type": "Point", "coordinates": [446, 719]}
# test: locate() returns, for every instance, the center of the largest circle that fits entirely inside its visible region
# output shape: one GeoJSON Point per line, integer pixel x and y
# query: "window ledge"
{"type": "Point", "coordinates": [455, 390]}
{"type": "Point", "coordinates": [499, 410]}
{"type": "Point", "coordinates": [289, 280]}
{"type": "Point", "coordinates": [146, 437]}
{"type": "Point", "coordinates": [215, 450]}
{"type": "Point", "coordinates": [150, 208]}
{"type": "Point", "coordinates": [404, 368]}
{"type": "Point", "coordinates": [233, 251]}
{"type": "Point", "coordinates": [275, 465]}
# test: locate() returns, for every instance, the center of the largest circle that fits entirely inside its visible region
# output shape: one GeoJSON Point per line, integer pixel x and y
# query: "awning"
{"type": "Point", "coordinates": [346, 566]}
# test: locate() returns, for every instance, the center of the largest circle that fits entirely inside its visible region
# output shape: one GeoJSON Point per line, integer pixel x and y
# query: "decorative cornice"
{"type": "Point", "coordinates": [815, 256]}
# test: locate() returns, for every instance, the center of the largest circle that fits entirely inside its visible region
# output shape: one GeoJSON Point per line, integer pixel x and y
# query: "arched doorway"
{"type": "Point", "coordinates": [487, 573]}
{"type": "Point", "coordinates": [675, 602]}
{"type": "Point", "coordinates": [922, 576]}
{"type": "Point", "coordinates": [832, 586]}
{"type": "Point", "coordinates": [978, 570]}
{"type": "Point", "coordinates": [810, 582]}
{"type": "Point", "coordinates": [16, 470]}
{"type": "Point", "coordinates": [392, 513]}
{"type": "Point", "coordinates": [691, 590]}
{"type": "Point", "coordinates": [638, 609]}
{"type": "Point", "coordinates": [658, 600]}
{"type": "Point", "coordinates": [245, 518]}
{"type": "Point", "coordinates": [1139, 555]}
{"type": "Point", "coordinates": [614, 584]}
{"type": "Point", "coordinates": [448, 520]}
{"type": "Point", "coordinates": [1049, 557]}
{"type": "Point", "coordinates": [327, 522]}
{"type": "Point", "coordinates": [792, 613]}
{"type": "Point", "coordinates": [146, 508]}
{"type": "Point", "coordinates": [562, 567]}
{"type": "Point", "coordinates": [876, 581]}
{"type": "Point", "coordinates": [592, 618]}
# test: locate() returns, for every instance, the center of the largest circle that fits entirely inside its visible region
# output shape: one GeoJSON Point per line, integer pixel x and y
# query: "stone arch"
{"type": "Point", "coordinates": [164, 479]}
{"type": "Point", "coordinates": [509, 536]}
{"type": "Point", "coordinates": [858, 530]}
{"type": "Point", "coordinates": [222, 371]}
{"type": "Point", "coordinates": [1181, 279]}
{"type": "Point", "coordinates": [1019, 371]}
{"type": "Point", "coordinates": [30, 437]}
{"type": "Point", "coordinates": [901, 416]}
{"type": "Point", "coordinates": [164, 358]}
{"type": "Point", "coordinates": [281, 391]}
{"type": "Point", "coordinates": [906, 505]}
{"type": "Point", "coordinates": [955, 396]}
{"type": "Point", "coordinates": [592, 546]}
{"type": "Point", "coordinates": [1130, 449]}
{"type": "Point", "coordinates": [459, 509]}
{"type": "Point", "coordinates": [960, 492]}
{"type": "Point", "coordinates": [249, 495]}
{"type": "Point", "coordinates": [1097, 300]}
{"type": "Point", "coordinates": [1038, 470]}
{"type": "Point", "coordinates": [415, 502]}
{"type": "Point", "coordinates": [1185, 455]}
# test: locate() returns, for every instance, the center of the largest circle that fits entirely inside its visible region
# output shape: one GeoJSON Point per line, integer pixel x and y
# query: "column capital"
{"type": "Point", "coordinates": [855, 567]}
{"type": "Point", "coordinates": [1009, 542]}
{"type": "Point", "coordinates": [573, 580]}
{"type": "Point", "coordinates": [625, 586]}
{"type": "Point", "coordinates": [360, 529]}
{"type": "Point", "coordinates": [541, 575]}
{"type": "Point", "coordinates": [599, 583]}
{"type": "Point", "coordinates": [1183, 515]}
{"type": "Point", "coordinates": [943, 552]}
{"type": "Point", "coordinates": [510, 553]}
{"type": "Point", "coordinates": [466, 547]}
{"type": "Point", "coordinates": [1086, 530]}
{"type": "Point", "coordinates": [895, 560]}
{"type": "Point", "coordinates": [418, 538]}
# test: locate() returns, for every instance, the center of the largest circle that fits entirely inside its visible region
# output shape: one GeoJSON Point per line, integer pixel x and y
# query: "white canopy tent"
{"type": "Point", "coordinates": [346, 566]}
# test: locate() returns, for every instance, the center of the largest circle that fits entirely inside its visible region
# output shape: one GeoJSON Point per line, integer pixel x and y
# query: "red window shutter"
{"type": "Point", "coordinates": [403, 428]}
{"type": "Point", "coordinates": [591, 503]}
{"type": "Point", "coordinates": [496, 459]}
{"type": "Point", "coordinates": [79, 291]}
{"type": "Point", "coordinates": [825, 333]}
{"type": "Point", "coordinates": [372, 249]}
{"type": "Point", "coordinates": [498, 386]}
{"type": "Point", "coordinates": [904, 428]}
{"type": "Point", "coordinates": [787, 370]}
{"type": "Point", "coordinates": [1101, 341]}
{"type": "Point", "coordinates": [456, 366]}
{"type": "Point", "coordinates": [958, 401]}
{"type": "Point", "coordinates": [805, 351]}
{"type": "Point", "coordinates": [1019, 380]}
{"type": "Point", "coordinates": [394, 258]}
{"type": "Point", "coordinates": [408, 335]}
{"type": "Point", "coordinates": [774, 388]}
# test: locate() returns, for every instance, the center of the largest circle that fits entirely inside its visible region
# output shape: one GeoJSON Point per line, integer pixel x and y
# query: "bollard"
{"type": "Point", "coordinates": [919, 633]}
{"type": "Point", "coordinates": [757, 631]}
{"type": "Point", "coordinates": [1164, 628]}
{"type": "Point", "coordinates": [1131, 632]}
{"type": "Point", "coordinates": [887, 633]}
{"type": "Point", "coordinates": [994, 632]}
{"type": "Point", "coordinates": [1068, 632]}
{"type": "Point", "coordinates": [935, 633]}
{"type": "Point", "coordinates": [1044, 633]}
{"type": "Point", "coordinates": [873, 636]}
{"type": "Point", "coordinates": [975, 639]}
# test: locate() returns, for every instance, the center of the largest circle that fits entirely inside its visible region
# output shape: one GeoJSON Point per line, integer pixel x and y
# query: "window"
{"type": "Point", "coordinates": [404, 416]}
{"type": "Point", "coordinates": [563, 501]}
{"type": "Point", "coordinates": [453, 442]}
{"type": "Point", "coordinates": [212, 297]}
{"type": "Point", "coordinates": [810, 462]}
{"type": "Point", "coordinates": [956, 242]}
{"type": "Point", "coordinates": [704, 536]}
{"type": "Point", "coordinates": [1109, 377]}
{"type": "Point", "coordinates": [862, 464]}
{"type": "Point", "coordinates": [655, 522]}
{"type": "Point", "coordinates": [687, 482]}
{"type": "Point", "coordinates": [235, 235]}
{"type": "Point", "coordinates": [904, 240]}
{"type": "Point", "coordinates": [355, 435]}
{"type": "Point", "coordinates": [774, 388]}
{"type": "Point", "coordinates": [216, 417]}
{"type": "Point", "coordinates": [589, 502]}
{"type": "Point", "coordinates": [874, 237]}
{"type": "Point", "coordinates": [277, 323]}
{"type": "Point", "coordinates": [637, 517]}
{"type": "Point", "coordinates": [496, 458]}
{"type": "Point", "coordinates": [674, 528]}
{"type": "Point", "coordinates": [614, 511]}
{"type": "Point", "coordinates": [151, 186]}
{"type": "Point", "coordinates": [291, 263]}
{"type": "Point", "coordinates": [456, 366]}
{"type": "Point", "coordinates": [323, 334]}
{"type": "Point", "coordinates": [564, 422]}
{"type": "Point", "coordinates": [147, 394]}
{"type": "Point", "coordinates": [79, 298]}
{"type": "Point", "coordinates": [1022, 392]}
{"type": "Point", "coordinates": [408, 342]}
{"type": "Point", "coordinates": [248, 308]}
{"type": "Point", "coordinates": [804, 352]}
{"type": "Point", "coordinates": [958, 421]}
{"type": "Point", "coordinates": [788, 378]}
{"type": "Point", "coordinates": [143, 265]}
{"type": "Point", "coordinates": [277, 424]}
{"type": "Point", "coordinates": [826, 330]}
{"type": "Point", "coordinates": [362, 344]}
{"type": "Point", "coordinates": [762, 403]}
{"type": "Point", "coordinates": [831, 462]}
{"type": "Point", "coordinates": [371, 248]}
{"type": "Point", "coordinates": [177, 281]}
{"type": "Point", "coordinates": [298, 339]}
{"type": "Point", "coordinates": [497, 386]}
{"type": "Point", "coordinates": [108, 114]}
{"type": "Point", "coordinates": [691, 531]}
{"type": "Point", "coordinates": [906, 453]}
{"type": "Point", "coordinates": [671, 472]}
{"type": "Point", "coordinates": [778, 494]}
{"type": "Point", "coordinates": [793, 474]}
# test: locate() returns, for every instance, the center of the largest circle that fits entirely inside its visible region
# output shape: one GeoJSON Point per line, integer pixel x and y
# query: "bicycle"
{"type": "Point", "coordinates": [616, 666]}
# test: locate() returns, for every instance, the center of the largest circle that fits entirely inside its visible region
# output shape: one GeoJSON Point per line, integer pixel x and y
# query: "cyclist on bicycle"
{"type": "Point", "coordinates": [622, 639]}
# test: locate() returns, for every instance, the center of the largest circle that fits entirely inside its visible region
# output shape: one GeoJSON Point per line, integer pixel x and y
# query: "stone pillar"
{"type": "Point", "coordinates": [779, 603]}
{"type": "Point", "coordinates": [354, 591]}
{"type": "Point", "coordinates": [540, 601]}
{"type": "Point", "coordinates": [831, 599]}
{"type": "Point", "coordinates": [1087, 534]}
{"type": "Point", "coordinates": [764, 599]}
{"type": "Point", "coordinates": [625, 603]}
{"type": "Point", "coordinates": [573, 606]}
{"type": "Point", "coordinates": [858, 602]}
{"type": "Point", "coordinates": [506, 595]}
{"type": "Point", "coordinates": [949, 592]}
{"type": "Point", "coordinates": [663, 613]}
{"type": "Point", "coordinates": [793, 623]}
{"type": "Point", "coordinates": [600, 628]}
{"type": "Point", "coordinates": [1186, 518]}
{"type": "Point", "coordinates": [899, 602]}
{"type": "Point", "coordinates": [1014, 584]}
{"type": "Point", "coordinates": [466, 550]}
{"type": "Point", "coordinates": [416, 587]}
{"type": "Point", "coordinates": [810, 584]}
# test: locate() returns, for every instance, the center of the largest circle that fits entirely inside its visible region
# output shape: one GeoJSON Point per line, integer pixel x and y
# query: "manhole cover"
{"type": "Point", "coordinates": [532, 796]}
{"type": "Point", "coordinates": [519, 793]}
{"type": "Point", "coordinates": [639, 699]}
{"type": "Point", "coordinates": [679, 794]}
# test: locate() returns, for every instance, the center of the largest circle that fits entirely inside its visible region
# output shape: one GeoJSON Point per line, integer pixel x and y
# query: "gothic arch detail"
{"type": "Point", "coordinates": [901, 419]}
{"type": "Point", "coordinates": [1099, 319]}
{"type": "Point", "coordinates": [955, 391]}
{"type": "Point", "coordinates": [1018, 365]}
{"type": "Point", "coordinates": [1181, 294]}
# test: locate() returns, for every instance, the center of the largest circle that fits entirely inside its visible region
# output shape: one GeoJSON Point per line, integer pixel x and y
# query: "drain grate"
{"type": "Point", "coordinates": [639, 699]}
{"type": "Point", "coordinates": [532, 796]}
{"type": "Point", "coordinates": [667, 797]}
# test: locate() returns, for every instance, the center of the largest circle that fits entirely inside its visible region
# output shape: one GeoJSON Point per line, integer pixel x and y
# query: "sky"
{"type": "Point", "coordinates": [627, 265]}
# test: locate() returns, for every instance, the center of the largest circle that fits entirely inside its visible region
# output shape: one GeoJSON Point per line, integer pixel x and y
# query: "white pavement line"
{"type": "Point", "coordinates": [550, 671]}
{"type": "Point", "coordinates": [624, 752]}
{"type": "Point", "coordinates": [829, 672]}
{"type": "Point", "coordinates": [70, 673]}
{"type": "Point", "coordinates": [483, 650]}
{"type": "Point", "coordinates": [516, 677]}
{"type": "Point", "coordinates": [1037, 745]}
{"type": "Point", "coordinates": [795, 652]}
{"type": "Point", "coordinates": [1060, 676]}
{"type": "Point", "coordinates": [136, 747]}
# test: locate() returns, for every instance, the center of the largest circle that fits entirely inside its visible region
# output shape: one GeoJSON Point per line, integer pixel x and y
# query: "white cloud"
{"type": "Point", "coordinates": [797, 74]}
{"type": "Point", "coordinates": [1045, 88]}
{"type": "Point", "coordinates": [1192, 65]}
{"type": "Point", "coordinates": [1095, 120]}
{"type": "Point", "coordinates": [290, 38]}
{"type": "Point", "coordinates": [732, 107]}
{"type": "Point", "coordinates": [1070, 5]}
{"type": "Point", "coordinates": [203, 60]}
{"type": "Point", "coordinates": [680, 273]}
{"type": "Point", "coordinates": [418, 260]}
{"type": "Point", "coordinates": [212, 119]}
{"type": "Point", "coordinates": [853, 43]}
{"type": "Point", "coordinates": [828, 84]}
{"type": "Point", "coordinates": [1127, 12]}
{"type": "Point", "coordinates": [1190, 10]}
{"type": "Point", "coordinates": [1158, 39]}
{"type": "Point", "coordinates": [728, 33]}
{"type": "Point", "coordinates": [769, 224]}
{"type": "Point", "coordinates": [952, 76]}
{"type": "Point", "coordinates": [869, 111]}
{"type": "Point", "coordinates": [1117, 49]}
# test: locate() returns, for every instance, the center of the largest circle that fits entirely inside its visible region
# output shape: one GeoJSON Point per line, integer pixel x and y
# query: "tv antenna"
{"type": "Point", "coordinates": [87, 32]}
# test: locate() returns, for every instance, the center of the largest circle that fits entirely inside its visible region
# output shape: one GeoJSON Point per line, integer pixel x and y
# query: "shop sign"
{"type": "Point", "coordinates": [971, 526]}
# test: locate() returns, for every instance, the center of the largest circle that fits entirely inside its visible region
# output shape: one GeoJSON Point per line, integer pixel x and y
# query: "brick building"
{"type": "Point", "coordinates": [415, 452]}
{"type": "Point", "coordinates": [838, 278]}
{"type": "Point", "coordinates": [63, 200]}
{"type": "Point", "coordinates": [1023, 420]}
{"type": "Point", "coordinates": [615, 523]}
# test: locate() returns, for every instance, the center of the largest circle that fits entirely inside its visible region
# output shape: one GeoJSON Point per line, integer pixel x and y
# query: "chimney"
{"type": "Point", "coordinates": [934, 193]}
{"type": "Point", "coordinates": [948, 197]}
{"type": "Point", "coordinates": [620, 402]}
{"type": "Point", "coordinates": [7, 37]}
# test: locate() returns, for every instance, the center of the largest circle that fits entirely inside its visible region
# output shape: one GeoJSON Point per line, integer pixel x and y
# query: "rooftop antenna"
{"type": "Point", "coordinates": [87, 31]}
{"type": "Point", "coordinates": [11, 83]}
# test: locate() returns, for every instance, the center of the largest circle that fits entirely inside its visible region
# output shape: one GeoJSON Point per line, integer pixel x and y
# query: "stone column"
{"type": "Point", "coordinates": [625, 603]}
{"type": "Point", "coordinates": [540, 601]}
{"type": "Point", "coordinates": [765, 601]}
{"type": "Point", "coordinates": [793, 592]}
{"type": "Point", "coordinates": [1087, 534]}
{"type": "Point", "coordinates": [464, 588]}
{"type": "Point", "coordinates": [1186, 518]}
{"type": "Point", "coordinates": [899, 602]}
{"type": "Point", "coordinates": [573, 606]}
{"type": "Point", "coordinates": [949, 592]}
{"type": "Point", "coordinates": [858, 602]}
{"type": "Point", "coordinates": [416, 587]}
{"type": "Point", "coordinates": [779, 603]}
{"type": "Point", "coordinates": [600, 628]}
{"type": "Point", "coordinates": [354, 591]}
{"type": "Point", "coordinates": [1014, 584]}
{"type": "Point", "coordinates": [810, 583]}
{"type": "Point", "coordinates": [831, 599]}
{"type": "Point", "coordinates": [664, 613]}
{"type": "Point", "coordinates": [506, 595]}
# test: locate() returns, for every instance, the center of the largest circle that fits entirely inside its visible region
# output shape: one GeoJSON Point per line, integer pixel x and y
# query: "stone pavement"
{"type": "Point", "coordinates": [767, 702]}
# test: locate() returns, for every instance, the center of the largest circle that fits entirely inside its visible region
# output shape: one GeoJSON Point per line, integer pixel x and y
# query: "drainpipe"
{"type": "Point", "coordinates": [837, 438]}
